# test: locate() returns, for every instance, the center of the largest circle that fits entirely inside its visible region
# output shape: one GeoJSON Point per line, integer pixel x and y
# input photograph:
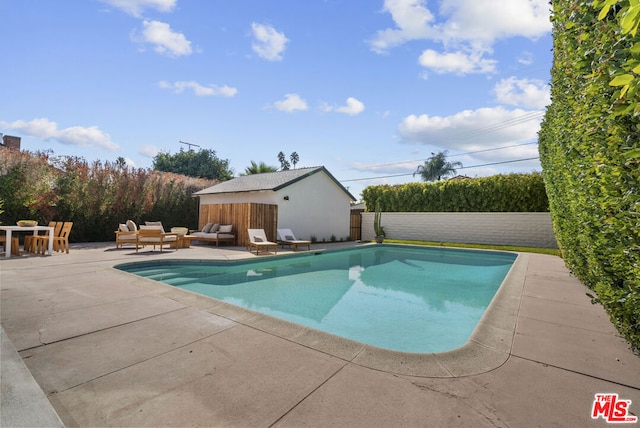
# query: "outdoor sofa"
{"type": "Point", "coordinates": [214, 232]}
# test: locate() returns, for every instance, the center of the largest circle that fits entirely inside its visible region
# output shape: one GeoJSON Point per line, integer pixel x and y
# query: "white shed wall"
{"type": "Point", "coordinates": [317, 206]}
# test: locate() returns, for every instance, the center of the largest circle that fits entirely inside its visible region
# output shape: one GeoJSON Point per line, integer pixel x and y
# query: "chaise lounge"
{"type": "Point", "coordinates": [258, 240]}
{"type": "Point", "coordinates": [286, 237]}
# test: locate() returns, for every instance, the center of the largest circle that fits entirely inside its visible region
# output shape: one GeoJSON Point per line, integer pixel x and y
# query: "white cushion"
{"type": "Point", "coordinates": [155, 223]}
{"type": "Point", "coordinates": [131, 226]}
{"type": "Point", "coordinates": [123, 227]}
{"type": "Point", "coordinates": [227, 228]}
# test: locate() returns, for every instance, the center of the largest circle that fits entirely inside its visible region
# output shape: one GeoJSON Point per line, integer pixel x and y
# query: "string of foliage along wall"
{"type": "Point", "coordinates": [590, 153]}
{"type": "Point", "coordinates": [498, 193]}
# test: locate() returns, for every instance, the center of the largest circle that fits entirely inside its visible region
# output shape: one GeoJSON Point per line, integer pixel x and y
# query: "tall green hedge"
{"type": "Point", "coordinates": [96, 197]}
{"type": "Point", "coordinates": [589, 145]}
{"type": "Point", "coordinates": [498, 193]}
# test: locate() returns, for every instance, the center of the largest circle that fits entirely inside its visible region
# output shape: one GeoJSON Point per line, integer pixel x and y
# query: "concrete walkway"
{"type": "Point", "coordinates": [107, 348]}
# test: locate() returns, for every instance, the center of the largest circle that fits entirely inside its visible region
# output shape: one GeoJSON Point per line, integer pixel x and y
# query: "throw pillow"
{"type": "Point", "coordinates": [214, 228]}
{"type": "Point", "coordinates": [289, 238]}
{"type": "Point", "coordinates": [227, 228]}
{"type": "Point", "coordinates": [123, 227]}
{"type": "Point", "coordinates": [131, 226]}
{"type": "Point", "coordinates": [207, 228]}
{"type": "Point", "coordinates": [257, 239]}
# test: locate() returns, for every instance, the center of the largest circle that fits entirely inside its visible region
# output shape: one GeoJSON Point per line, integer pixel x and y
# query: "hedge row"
{"type": "Point", "coordinates": [498, 193]}
{"type": "Point", "coordinates": [589, 145]}
{"type": "Point", "coordinates": [95, 197]}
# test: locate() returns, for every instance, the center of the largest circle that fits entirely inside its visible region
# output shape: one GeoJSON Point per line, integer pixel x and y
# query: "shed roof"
{"type": "Point", "coordinates": [273, 181]}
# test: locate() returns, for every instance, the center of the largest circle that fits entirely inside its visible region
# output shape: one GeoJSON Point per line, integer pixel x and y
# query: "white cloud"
{"type": "Point", "coordinates": [135, 7]}
{"type": "Point", "coordinates": [472, 130]}
{"type": "Point", "coordinates": [488, 21]}
{"type": "Point", "coordinates": [164, 40]}
{"type": "Point", "coordinates": [198, 89]}
{"type": "Point", "coordinates": [530, 93]}
{"type": "Point", "coordinates": [413, 22]}
{"type": "Point", "coordinates": [353, 107]}
{"type": "Point", "coordinates": [148, 150]}
{"type": "Point", "coordinates": [80, 136]}
{"type": "Point", "coordinates": [525, 58]}
{"type": "Point", "coordinates": [291, 103]}
{"type": "Point", "coordinates": [268, 43]}
{"type": "Point", "coordinates": [470, 21]}
{"type": "Point", "coordinates": [456, 62]}
{"type": "Point", "coordinates": [467, 29]}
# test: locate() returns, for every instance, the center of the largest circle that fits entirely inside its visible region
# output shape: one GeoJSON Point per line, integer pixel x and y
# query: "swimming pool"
{"type": "Point", "coordinates": [401, 298]}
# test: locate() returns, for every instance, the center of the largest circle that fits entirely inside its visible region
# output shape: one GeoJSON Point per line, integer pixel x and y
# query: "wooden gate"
{"type": "Point", "coordinates": [355, 228]}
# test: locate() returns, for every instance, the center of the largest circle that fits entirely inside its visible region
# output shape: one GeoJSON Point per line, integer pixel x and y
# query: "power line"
{"type": "Point", "coordinates": [463, 167]}
{"type": "Point", "coordinates": [497, 148]}
{"type": "Point", "coordinates": [458, 154]}
{"type": "Point", "coordinates": [494, 126]}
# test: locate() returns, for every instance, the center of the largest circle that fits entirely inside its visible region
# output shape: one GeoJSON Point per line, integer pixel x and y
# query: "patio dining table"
{"type": "Point", "coordinates": [34, 229]}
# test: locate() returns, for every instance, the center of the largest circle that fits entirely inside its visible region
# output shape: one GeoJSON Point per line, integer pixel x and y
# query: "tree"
{"type": "Point", "coordinates": [201, 164]}
{"type": "Point", "coordinates": [121, 162]}
{"type": "Point", "coordinates": [294, 159]}
{"type": "Point", "coordinates": [284, 163]}
{"type": "Point", "coordinates": [259, 168]}
{"type": "Point", "coordinates": [437, 167]}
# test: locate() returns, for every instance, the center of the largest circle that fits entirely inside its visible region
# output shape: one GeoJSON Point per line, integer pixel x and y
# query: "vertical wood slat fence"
{"type": "Point", "coordinates": [242, 216]}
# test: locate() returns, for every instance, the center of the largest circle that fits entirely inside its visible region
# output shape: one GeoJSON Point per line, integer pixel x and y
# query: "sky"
{"type": "Point", "coordinates": [370, 89]}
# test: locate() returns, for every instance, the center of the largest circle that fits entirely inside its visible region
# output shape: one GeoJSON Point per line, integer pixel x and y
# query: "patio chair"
{"type": "Point", "coordinates": [258, 240]}
{"type": "Point", "coordinates": [31, 242]}
{"type": "Point", "coordinates": [154, 235]}
{"type": "Point", "coordinates": [15, 250]}
{"type": "Point", "coordinates": [60, 242]}
{"type": "Point", "coordinates": [126, 233]}
{"type": "Point", "coordinates": [286, 237]}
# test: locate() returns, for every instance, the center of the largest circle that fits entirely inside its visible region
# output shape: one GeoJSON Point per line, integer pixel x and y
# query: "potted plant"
{"type": "Point", "coordinates": [377, 227]}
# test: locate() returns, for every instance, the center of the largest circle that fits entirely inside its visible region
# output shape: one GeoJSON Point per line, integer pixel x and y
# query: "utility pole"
{"type": "Point", "coordinates": [188, 144]}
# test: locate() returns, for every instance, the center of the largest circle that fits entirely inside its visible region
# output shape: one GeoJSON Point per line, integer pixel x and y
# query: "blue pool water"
{"type": "Point", "coordinates": [409, 299]}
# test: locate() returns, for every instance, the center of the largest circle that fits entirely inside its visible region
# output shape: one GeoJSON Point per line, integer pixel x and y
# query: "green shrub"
{"type": "Point", "coordinates": [95, 197]}
{"type": "Point", "coordinates": [590, 154]}
{"type": "Point", "coordinates": [498, 193]}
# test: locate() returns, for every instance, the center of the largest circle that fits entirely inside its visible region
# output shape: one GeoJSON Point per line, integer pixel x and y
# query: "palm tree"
{"type": "Point", "coordinates": [258, 168]}
{"type": "Point", "coordinates": [294, 159]}
{"type": "Point", "coordinates": [437, 167]}
{"type": "Point", "coordinates": [284, 163]}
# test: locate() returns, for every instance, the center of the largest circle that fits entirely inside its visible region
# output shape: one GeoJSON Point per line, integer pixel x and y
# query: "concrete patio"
{"type": "Point", "coordinates": [84, 344]}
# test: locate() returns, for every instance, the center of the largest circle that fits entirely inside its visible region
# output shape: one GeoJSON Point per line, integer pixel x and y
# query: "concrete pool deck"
{"type": "Point", "coordinates": [107, 348]}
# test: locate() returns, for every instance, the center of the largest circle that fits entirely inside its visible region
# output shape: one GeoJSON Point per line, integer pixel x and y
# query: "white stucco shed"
{"type": "Point", "coordinates": [310, 201]}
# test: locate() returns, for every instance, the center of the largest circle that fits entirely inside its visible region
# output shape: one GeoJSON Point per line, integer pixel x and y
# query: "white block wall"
{"type": "Point", "coordinates": [523, 229]}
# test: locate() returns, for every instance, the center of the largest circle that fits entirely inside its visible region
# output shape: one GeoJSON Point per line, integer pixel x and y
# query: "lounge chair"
{"type": "Point", "coordinates": [154, 235]}
{"type": "Point", "coordinates": [126, 234]}
{"type": "Point", "coordinates": [258, 240]}
{"type": "Point", "coordinates": [286, 237]}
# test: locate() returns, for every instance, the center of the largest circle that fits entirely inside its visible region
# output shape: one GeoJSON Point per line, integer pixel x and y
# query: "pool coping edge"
{"type": "Point", "coordinates": [488, 347]}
